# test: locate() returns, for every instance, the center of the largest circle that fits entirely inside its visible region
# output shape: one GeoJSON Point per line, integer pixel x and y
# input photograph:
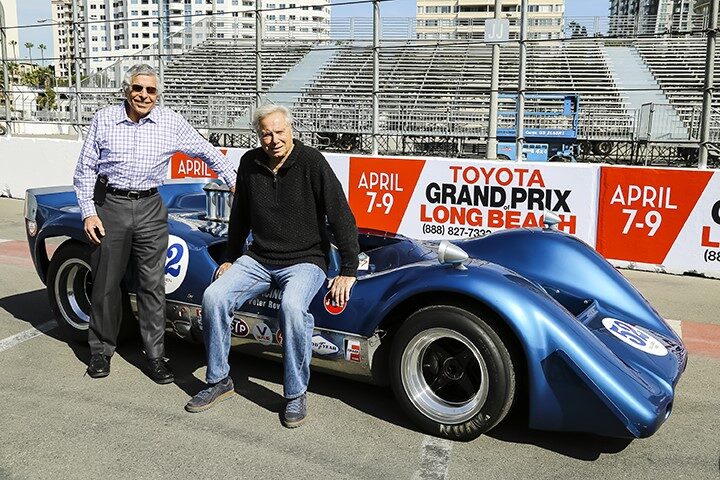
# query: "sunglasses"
{"type": "Point", "coordinates": [139, 88]}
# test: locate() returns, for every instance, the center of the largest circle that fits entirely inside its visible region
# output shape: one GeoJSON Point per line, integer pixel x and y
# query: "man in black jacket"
{"type": "Point", "coordinates": [285, 192]}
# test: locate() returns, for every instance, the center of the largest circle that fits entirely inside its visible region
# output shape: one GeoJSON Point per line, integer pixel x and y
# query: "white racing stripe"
{"type": "Point", "coordinates": [434, 460]}
{"type": "Point", "coordinates": [26, 335]}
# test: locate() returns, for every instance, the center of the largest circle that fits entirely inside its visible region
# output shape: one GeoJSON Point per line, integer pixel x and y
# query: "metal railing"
{"type": "Point", "coordinates": [441, 114]}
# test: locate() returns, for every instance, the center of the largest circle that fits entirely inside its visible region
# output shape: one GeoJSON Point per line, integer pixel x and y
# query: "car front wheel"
{"type": "Point", "coordinates": [452, 373]}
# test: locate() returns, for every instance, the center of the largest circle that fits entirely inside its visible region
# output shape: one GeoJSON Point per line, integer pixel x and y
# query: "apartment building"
{"type": "Point", "coordinates": [8, 17]}
{"type": "Point", "coordinates": [466, 18]}
{"type": "Point", "coordinates": [108, 29]}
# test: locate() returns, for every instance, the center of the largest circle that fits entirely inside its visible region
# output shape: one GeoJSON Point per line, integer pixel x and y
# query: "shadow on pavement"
{"type": "Point", "coordinates": [185, 359]}
{"type": "Point", "coordinates": [580, 446]}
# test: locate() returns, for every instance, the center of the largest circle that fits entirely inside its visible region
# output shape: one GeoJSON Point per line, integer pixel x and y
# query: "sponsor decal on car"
{"type": "Point", "coordinates": [239, 328]}
{"type": "Point", "coordinates": [634, 336]}
{"type": "Point", "coordinates": [352, 351]}
{"type": "Point", "coordinates": [330, 308]}
{"type": "Point", "coordinates": [262, 334]}
{"type": "Point", "coordinates": [321, 346]}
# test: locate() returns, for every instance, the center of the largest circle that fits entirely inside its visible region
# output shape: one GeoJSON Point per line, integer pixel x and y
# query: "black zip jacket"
{"type": "Point", "coordinates": [287, 212]}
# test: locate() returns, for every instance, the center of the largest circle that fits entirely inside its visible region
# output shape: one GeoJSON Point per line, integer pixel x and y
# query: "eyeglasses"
{"type": "Point", "coordinates": [139, 88]}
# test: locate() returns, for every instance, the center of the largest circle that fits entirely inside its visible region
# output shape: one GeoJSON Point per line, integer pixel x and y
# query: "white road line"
{"type": "Point", "coordinates": [675, 325]}
{"type": "Point", "coordinates": [26, 335]}
{"type": "Point", "coordinates": [434, 460]}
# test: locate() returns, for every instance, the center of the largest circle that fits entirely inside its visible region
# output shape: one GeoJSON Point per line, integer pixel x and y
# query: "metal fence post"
{"type": "Point", "coordinates": [520, 119]}
{"type": "Point", "coordinates": [376, 78]}
{"type": "Point", "coordinates": [6, 78]}
{"type": "Point", "coordinates": [494, 87]}
{"type": "Point", "coordinates": [258, 50]}
{"type": "Point", "coordinates": [708, 87]}
{"type": "Point", "coordinates": [76, 48]}
{"type": "Point", "coordinates": [161, 66]}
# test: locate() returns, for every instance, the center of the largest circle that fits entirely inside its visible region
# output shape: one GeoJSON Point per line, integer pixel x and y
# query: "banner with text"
{"type": "Point", "coordinates": [668, 218]}
{"type": "Point", "coordinates": [443, 198]}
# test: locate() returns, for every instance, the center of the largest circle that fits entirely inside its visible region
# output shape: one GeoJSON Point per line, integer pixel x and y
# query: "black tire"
{"type": "Point", "coordinates": [69, 286]}
{"type": "Point", "coordinates": [451, 372]}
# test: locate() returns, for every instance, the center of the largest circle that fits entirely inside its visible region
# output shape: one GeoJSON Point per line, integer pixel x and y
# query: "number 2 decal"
{"type": "Point", "coordinates": [174, 255]}
{"type": "Point", "coordinates": [176, 263]}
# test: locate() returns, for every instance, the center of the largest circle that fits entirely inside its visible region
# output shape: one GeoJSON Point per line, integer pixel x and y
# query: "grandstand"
{"type": "Point", "coordinates": [443, 89]}
{"type": "Point", "coordinates": [678, 64]}
{"type": "Point", "coordinates": [434, 95]}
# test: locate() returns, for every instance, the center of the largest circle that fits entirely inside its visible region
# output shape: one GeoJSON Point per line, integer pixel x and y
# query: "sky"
{"type": "Point", "coordinates": [30, 11]}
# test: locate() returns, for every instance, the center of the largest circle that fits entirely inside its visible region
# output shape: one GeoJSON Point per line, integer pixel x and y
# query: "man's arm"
{"type": "Point", "coordinates": [239, 225]}
{"type": "Point", "coordinates": [344, 228]}
{"type": "Point", "coordinates": [84, 179]}
{"type": "Point", "coordinates": [86, 171]}
{"type": "Point", "coordinates": [189, 141]}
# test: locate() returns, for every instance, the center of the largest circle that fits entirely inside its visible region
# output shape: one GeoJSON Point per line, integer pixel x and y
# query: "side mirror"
{"type": "Point", "coordinates": [550, 219]}
{"type": "Point", "coordinates": [451, 254]}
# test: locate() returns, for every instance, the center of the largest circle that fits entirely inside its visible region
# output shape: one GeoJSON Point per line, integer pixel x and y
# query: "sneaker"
{"type": "Point", "coordinates": [99, 366]}
{"type": "Point", "coordinates": [295, 412]}
{"type": "Point", "coordinates": [214, 393]}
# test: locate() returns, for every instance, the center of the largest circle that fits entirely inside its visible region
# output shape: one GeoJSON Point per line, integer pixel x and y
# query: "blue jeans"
{"type": "Point", "coordinates": [244, 280]}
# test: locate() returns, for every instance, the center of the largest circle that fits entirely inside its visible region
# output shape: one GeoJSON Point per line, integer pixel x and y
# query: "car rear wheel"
{"type": "Point", "coordinates": [69, 286]}
{"type": "Point", "coordinates": [452, 373]}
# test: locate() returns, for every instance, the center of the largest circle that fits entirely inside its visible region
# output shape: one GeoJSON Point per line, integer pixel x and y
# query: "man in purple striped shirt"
{"type": "Point", "coordinates": [128, 148]}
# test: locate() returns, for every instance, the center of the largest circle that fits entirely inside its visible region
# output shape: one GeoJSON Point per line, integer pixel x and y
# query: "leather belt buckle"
{"type": "Point", "coordinates": [134, 195]}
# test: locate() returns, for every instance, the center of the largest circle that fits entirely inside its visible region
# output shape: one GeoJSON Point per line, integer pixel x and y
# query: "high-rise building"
{"type": "Point", "coordinates": [8, 17]}
{"type": "Point", "coordinates": [466, 18]}
{"type": "Point", "coordinates": [631, 17]}
{"type": "Point", "coordinates": [109, 29]}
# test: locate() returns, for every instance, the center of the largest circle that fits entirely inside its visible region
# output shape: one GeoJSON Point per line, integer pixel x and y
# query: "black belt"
{"type": "Point", "coordinates": [135, 194]}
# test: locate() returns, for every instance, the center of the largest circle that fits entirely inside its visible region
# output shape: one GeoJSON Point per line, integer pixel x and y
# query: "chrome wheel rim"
{"type": "Point", "coordinates": [444, 375]}
{"type": "Point", "coordinates": [73, 284]}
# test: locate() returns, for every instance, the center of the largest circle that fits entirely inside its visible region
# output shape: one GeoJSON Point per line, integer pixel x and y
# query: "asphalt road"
{"type": "Point", "coordinates": [57, 423]}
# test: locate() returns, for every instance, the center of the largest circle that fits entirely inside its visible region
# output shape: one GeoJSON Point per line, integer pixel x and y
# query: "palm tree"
{"type": "Point", "coordinates": [29, 46]}
{"type": "Point", "coordinates": [42, 48]}
{"type": "Point", "coordinates": [14, 43]}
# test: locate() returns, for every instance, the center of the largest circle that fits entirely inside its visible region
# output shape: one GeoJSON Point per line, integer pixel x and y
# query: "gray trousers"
{"type": "Point", "coordinates": [138, 227]}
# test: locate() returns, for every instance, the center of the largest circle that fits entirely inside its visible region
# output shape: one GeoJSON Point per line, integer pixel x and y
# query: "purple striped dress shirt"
{"type": "Point", "coordinates": [135, 156]}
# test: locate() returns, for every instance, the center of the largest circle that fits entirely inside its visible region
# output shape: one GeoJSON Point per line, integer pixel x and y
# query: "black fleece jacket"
{"type": "Point", "coordinates": [287, 211]}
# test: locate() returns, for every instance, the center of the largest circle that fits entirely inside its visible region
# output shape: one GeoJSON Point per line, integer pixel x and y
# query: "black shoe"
{"type": "Point", "coordinates": [295, 412]}
{"type": "Point", "coordinates": [158, 371]}
{"type": "Point", "coordinates": [207, 398]}
{"type": "Point", "coordinates": [99, 366]}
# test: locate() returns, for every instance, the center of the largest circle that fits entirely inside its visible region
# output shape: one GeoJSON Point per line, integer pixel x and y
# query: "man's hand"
{"type": "Point", "coordinates": [94, 229]}
{"type": "Point", "coordinates": [340, 289]}
{"type": "Point", "coordinates": [222, 269]}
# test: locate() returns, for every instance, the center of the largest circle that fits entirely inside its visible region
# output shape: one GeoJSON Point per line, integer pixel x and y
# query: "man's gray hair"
{"type": "Point", "coordinates": [268, 109]}
{"type": "Point", "coordinates": [139, 69]}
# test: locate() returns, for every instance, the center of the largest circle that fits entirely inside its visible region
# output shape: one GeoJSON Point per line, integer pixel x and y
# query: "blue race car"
{"type": "Point", "coordinates": [461, 331]}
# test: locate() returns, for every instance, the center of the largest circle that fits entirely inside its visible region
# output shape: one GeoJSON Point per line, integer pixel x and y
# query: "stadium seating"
{"type": "Point", "coordinates": [443, 89]}
{"type": "Point", "coordinates": [678, 64]}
